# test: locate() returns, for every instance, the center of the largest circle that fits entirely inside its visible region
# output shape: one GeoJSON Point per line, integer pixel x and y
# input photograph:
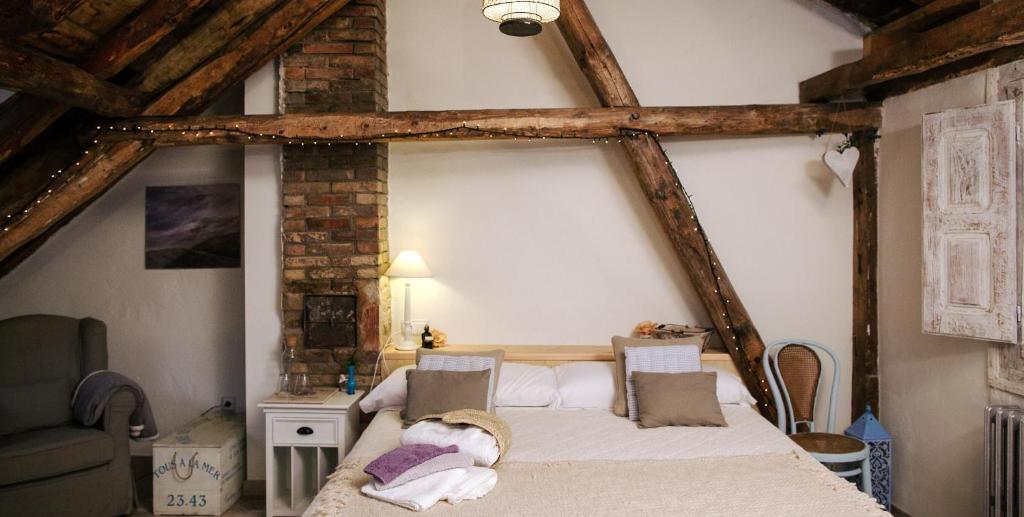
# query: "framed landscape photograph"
{"type": "Point", "coordinates": [194, 227]}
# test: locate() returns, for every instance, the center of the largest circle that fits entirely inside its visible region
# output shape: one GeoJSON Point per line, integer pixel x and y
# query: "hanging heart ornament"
{"type": "Point", "coordinates": [843, 163]}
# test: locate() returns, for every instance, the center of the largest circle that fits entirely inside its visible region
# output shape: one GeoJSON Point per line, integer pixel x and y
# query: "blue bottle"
{"type": "Point", "coordinates": [350, 387]}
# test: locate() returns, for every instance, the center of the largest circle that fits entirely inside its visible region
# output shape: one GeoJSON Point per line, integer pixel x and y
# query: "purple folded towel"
{"type": "Point", "coordinates": [392, 464]}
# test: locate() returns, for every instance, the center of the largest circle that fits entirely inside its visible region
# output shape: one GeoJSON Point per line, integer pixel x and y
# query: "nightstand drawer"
{"type": "Point", "coordinates": [305, 431]}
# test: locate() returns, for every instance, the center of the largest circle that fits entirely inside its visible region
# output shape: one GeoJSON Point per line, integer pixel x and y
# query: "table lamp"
{"type": "Point", "coordinates": [408, 264]}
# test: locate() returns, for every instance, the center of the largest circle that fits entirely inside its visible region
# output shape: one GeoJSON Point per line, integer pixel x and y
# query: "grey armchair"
{"type": "Point", "coordinates": [49, 464]}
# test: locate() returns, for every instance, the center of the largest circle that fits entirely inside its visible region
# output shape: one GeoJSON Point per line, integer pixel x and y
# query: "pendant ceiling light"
{"type": "Point", "coordinates": [521, 17]}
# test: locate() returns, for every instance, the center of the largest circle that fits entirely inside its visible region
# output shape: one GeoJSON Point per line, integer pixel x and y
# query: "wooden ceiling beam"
{"type": "Point", "coordinates": [19, 17]}
{"type": "Point", "coordinates": [25, 117]}
{"type": "Point", "coordinates": [875, 13]}
{"type": "Point", "coordinates": [22, 69]}
{"type": "Point", "coordinates": [927, 17]}
{"type": "Point", "coordinates": [670, 203]}
{"type": "Point", "coordinates": [106, 163]}
{"type": "Point", "coordinates": [586, 123]}
{"type": "Point", "coordinates": [996, 26]}
{"type": "Point", "coordinates": [212, 35]}
{"type": "Point", "coordinates": [133, 39]}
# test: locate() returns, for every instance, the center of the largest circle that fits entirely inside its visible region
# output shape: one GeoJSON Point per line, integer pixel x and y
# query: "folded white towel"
{"type": "Point", "coordinates": [453, 485]}
{"type": "Point", "coordinates": [470, 439]}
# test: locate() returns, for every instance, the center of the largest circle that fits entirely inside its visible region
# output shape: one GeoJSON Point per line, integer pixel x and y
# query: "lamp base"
{"type": "Point", "coordinates": [407, 345]}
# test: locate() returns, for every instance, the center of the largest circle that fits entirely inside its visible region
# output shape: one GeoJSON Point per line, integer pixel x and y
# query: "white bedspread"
{"type": "Point", "coordinates": [591, 463]}
{"type": "Point", "coordinates": [541, 434]}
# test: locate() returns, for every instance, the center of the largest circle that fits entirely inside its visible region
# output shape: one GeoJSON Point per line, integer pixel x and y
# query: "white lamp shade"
{"type": "Point", "coordinates": [409, 264]}
{"type": "Point", "coordinates": [542, 11]}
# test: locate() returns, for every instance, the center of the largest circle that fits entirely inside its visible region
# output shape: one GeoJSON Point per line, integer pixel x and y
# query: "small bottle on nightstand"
{"type": "Point", "coordinates": [428, 338]}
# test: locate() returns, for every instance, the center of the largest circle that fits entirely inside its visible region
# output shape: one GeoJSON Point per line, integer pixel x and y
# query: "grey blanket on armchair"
{"type": "Point", "coordinates": [93, 394]}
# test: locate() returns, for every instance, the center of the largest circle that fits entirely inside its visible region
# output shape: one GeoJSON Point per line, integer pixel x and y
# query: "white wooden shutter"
{"type": "Point", "coordinates": [970, 223]}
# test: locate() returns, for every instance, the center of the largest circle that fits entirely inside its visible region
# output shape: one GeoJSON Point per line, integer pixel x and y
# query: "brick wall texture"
{"type": "Point", "coordinates": [334, 226]}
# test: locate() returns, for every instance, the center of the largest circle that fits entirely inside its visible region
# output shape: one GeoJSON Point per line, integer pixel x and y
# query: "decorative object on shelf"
{"type": "Point", "coordinates": [350, 372]}
{"type": "Point", "coordinates": [869, 430]}
{"type": "Point", "coordinates": [521, 17]}
{"type": "Point", "coordinates": [654, 330]}
{"type": "Point", "coordinates": [289, 357]}
{"type": "Point", "coordinates": [440, 337]}
{"type": "Point", "coordinates": [427, 339]}
{"type": "Point", "coordinates": [843, 160]}
{"type": "Point", "coordinates": [194, 227]}
{"type": "Point", "coordinates": [301, 385]}
{"type": "Point", "coordinates": [408, 264]}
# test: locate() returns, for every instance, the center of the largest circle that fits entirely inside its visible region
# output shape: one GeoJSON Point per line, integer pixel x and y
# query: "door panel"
{"type": "Point", "coordinates": [970, 228]}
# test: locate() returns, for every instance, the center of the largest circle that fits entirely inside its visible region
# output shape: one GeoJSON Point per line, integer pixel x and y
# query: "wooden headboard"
{"type": "Point", "coordinates": [546, 355]}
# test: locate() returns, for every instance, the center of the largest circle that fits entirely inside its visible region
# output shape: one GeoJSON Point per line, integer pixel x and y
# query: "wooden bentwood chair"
{"type": "Point", "coordinates": [793, 369]}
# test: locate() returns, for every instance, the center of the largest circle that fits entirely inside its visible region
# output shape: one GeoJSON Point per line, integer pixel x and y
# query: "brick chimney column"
{"type": "Point", "coordinates": [334, 227]}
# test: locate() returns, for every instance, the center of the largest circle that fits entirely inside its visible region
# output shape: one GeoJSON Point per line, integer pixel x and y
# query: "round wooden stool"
{"type": "Point", "coordinates": [837, 448]}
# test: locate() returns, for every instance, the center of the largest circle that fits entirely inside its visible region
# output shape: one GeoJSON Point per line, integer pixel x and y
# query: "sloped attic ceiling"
{"type": "Point", "coordinates": [163, 58]}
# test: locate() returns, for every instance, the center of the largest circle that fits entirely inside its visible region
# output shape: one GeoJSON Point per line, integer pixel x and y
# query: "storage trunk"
{"type": "Point", "coordinates": [198, 469]}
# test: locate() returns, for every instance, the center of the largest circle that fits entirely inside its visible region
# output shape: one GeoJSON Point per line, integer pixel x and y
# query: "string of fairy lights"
{"type": "Point", "coordinates": [62, 178]}
{"type": "Point", "coordinates": [717, 272]}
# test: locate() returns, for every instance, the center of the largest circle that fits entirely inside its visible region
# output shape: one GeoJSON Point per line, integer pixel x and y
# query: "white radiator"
{"type": "Point", "coordinates": [1003, 442]}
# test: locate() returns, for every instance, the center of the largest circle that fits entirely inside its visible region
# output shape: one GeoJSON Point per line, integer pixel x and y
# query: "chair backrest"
{"type": "Point", "coordinates": [42, 346]}
{"type": "Point", "coordinates": [794, 370]}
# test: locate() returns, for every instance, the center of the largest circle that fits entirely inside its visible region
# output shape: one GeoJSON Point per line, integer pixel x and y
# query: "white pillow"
{"type": "Point", "coordinates": [520, 385]}
{"type": "Point", "coordinates": [525, 385]}
{"type": "Point", "coordinates": [730, 389]}
{"type": "Point", "coordinates": [389, 394]}
{"type": "Point", "coordinates": [657, 359]}
{"type": "Point", "coordinates": [586, 385]}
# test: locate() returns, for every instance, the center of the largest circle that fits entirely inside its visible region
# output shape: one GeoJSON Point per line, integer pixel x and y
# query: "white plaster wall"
{"type": "Point", "coordinates": [933, 388]}
{"type": "Point", "coordinates": [177, 332]}
{"type": "Point", "coordinates": [540, 243]}
{"type": "Point", "coordinates": [262, 194]}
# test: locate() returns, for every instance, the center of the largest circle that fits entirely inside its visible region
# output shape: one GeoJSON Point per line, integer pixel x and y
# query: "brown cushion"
{"type": "Point", "coordinates": [682, 399]}
{"type": "Point", "coordinates": [619, 345]}
{"type": "Point", "coordinates": [35, 405]}
{"type": "Point", "coordinates": [439, 391]}
{"type": "Point", "coordinates": [458, 361]}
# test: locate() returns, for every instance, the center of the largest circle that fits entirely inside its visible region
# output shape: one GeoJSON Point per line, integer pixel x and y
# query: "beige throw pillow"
{"type": "Point", "coordinates": [619, 345]}
{"type": "Point", "coordinates": [678, 399]}
{"type": "Point", "coordinates": [439, 391]}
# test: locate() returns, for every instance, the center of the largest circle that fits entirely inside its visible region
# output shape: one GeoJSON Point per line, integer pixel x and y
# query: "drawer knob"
{"type": "Point", "coordinates": [305, 431]}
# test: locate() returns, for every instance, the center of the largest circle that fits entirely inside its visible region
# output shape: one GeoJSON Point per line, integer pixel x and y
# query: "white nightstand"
{"type": "Point", "coordinates": [305, 443]}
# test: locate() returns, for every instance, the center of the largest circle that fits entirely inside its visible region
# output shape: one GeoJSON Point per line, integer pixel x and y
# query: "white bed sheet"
{"type": "Point", "coordinates": [543, 434]}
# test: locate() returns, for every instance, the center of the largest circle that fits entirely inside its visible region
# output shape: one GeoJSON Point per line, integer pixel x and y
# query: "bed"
{"type": "Point", "coordinates": [567, 462]}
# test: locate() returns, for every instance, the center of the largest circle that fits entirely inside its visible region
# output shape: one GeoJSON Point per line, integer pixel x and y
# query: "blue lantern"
{"type": "Point", "coordinates": [868, 430]}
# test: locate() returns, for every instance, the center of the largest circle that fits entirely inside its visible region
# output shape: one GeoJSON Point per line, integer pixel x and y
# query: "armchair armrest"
{"type": "Point", "coordinates": [115, 418]}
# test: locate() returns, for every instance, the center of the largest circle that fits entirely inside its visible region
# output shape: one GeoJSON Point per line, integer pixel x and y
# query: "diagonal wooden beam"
{"type": "Point", "coordinates": [996, 26]}
{"type": "Point", "coordinates": [24, 117]}
{"type": "Point", "coordinates": [784, 119]}
{"type": "Point", "coordinates": [670, 202]}
{"type": "Point", "coordinates": [23, 69]}
{"type": "Point", "coordinates": [106, 163]}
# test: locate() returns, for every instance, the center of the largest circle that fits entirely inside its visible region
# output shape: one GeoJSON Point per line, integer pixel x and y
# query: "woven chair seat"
{"type": "Point", "coordinates": [828, 443]}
